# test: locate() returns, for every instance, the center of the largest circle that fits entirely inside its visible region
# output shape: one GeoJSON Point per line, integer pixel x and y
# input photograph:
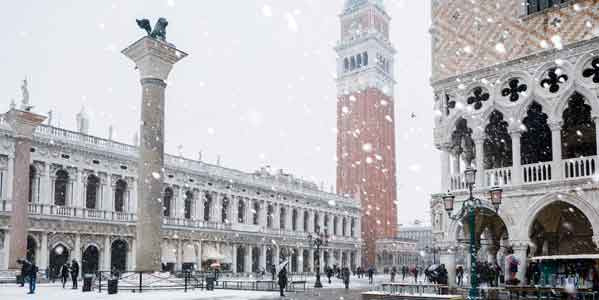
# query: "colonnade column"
{"type": "Point", "coordinates": [556, 149]}
{"type": "Point", "coordinates": [276, 256]}
{"type": "Point", "coordinates": [516, 159]}
{"type": "Point", "coordinates": [479, 143]}
{"type": "Point", "coordinates": [23, 123]}
{"type": "Point", "coordinates": [154, 59]}
{"type": "Point", "coordinates": [448, 258]}
{"type": "Point", "coordinates": [77, 251]}
{"type": "Point", "coordinates": [199, 256]}
{"type": "Point", "coordinates": [248, 259]}
{"type": "Point", "coordinates": [179, 256]}
{"type": "Point", "coordinates": [520, 253]}
{"type": "Point", "coordinates": [300, 260]}
{"type": "Point", "coordinates": [596, 120]}
{"type": "Point", "coordinates": [234, 258]}
{"type": "Point", "coordinates": [321, 260]}
{"type": "Point", "coordinates": [45, 185]}
{"type": "Point", "coordinates": [106, 254]}
{"type": "Point", "coordinates": [263, 257]}
{"type": "Point", "coordinates": [44, 252]}
{"type": "Point", "coordinates": [310, 260]}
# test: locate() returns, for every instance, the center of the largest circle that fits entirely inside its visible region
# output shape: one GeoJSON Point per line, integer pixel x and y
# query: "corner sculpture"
{"type": "Point", "coordinates": [159, 31]}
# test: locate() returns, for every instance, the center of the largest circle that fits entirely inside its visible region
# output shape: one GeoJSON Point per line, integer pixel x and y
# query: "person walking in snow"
{"type": "Point", "coordinates": [345, 275]}
{"type": "Point", "coordinates": [32, 276]}
{"type": "Point", "coordinates": [370, 275]}
{"type": "Point", "coordinates": [74, 273]}
{"type": "Point", "coordinates": [282, 281]}
{"type": "Point", "coordinates": [64, 274]}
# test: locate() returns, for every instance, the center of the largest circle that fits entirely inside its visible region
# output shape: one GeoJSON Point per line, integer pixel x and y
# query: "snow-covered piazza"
{"type": "Point", "coordinates": [509, 210]}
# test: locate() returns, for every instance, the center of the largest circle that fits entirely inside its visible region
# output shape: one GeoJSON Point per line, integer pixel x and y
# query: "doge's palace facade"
{"type": "Point", "coordinates": [83, 202]}
{"type": "Point", "coordinates": [516, 97]}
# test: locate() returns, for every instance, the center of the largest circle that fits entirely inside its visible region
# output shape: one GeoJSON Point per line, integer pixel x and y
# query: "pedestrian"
{"type": "Point", "coordinates": [404, 270]}
{"type": "Point", "coordinates": [32, 275]}
{"type": "Point", "coordinates": [282, 280]}
{"type": "Point", "coordinates": [393, 272]}
{"type": "Point", "coordinates": [64, 274]}
{"type": "Point", "coordinates": [415, 272]}
{"type": "Point", "coordinates": [329, 274]}
{"type": "Point", "coordinates": [345, 272]}
{"type": "Point", "coordinates": [460, 274]}
{"type": "Point", "coordinates": [370, 275]}
{"type": "Point", "coordinates": [24, 270]}
{"type": "Point", "coordinates": [74, 273]}
{"type": "Point", "coordinates": [273, 272]}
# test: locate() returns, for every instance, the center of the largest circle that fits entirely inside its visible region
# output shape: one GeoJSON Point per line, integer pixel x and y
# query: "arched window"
{"type": "Point", "coordinates": [352, 228]}
{"type": "Point", "coordinates": [166, 202]}
{"type": "Point", "coordinates": [335, 231]}
{"type": "Point", "coordinates": [32, 175]}
{"type": "Point", "coordinates": [365, 58]}
{"type": "Point", "coordinates": [225, 211]}
{"type": "Point", "coordinates": [60, 188]}
{"type": "Point", "coordinates": [241, 211]}
{"type": "Point", "coordinates": [306, 220]}
{"type": "Point", "coordinates": [343, 225]}
{"type": "Point", "coordinates": [535, 142]}
{"type": "Point", "coordinates": [359, 61]}
{"type": "Point", "coordinates": [120, 191]}
{"type": "Point", "coordinates": [497, 144]}
{"type": "Point", "coordinates": [207, 206]}
{"type": "Point", "coordinates": [255, 213]}
{"type": "Point", "coordinates": [188, 204]}
{"type": "Point", "coordinates": [269, 216]}
{"type": "Point", "coordinates": [578, 129]}
{"type": "Point", "coordinates": [326, 224]}
{"type": "Point", "coordinates": [294, 220]}
{"type": "Point", "coordinates": [91, 192]}
{"type": "Point", "coordinates": [316, 227]}
{"type": "Point", "coordinates": [282, 218]}
{"type": "Point", "coordinates": [345, 64]}
{"type": "Point", "coordinates": [353, 63]}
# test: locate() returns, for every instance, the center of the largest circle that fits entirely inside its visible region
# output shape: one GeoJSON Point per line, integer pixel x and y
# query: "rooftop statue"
{"type": "Point", "coordinates": [25, 100]}
{"type": "Point", "coordinates": [159, 31]}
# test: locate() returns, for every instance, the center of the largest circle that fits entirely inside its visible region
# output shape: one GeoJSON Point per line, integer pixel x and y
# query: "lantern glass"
{"type": "Point", "coordinates": [496, 194]}
{"type": "Point", "coordinates": [448, 201]}
{"type": "Point", "coordinates": [470, 174]}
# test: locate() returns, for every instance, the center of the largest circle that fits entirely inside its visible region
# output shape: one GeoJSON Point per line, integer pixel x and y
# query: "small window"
{"type": "Point", "coordinates": [345, 65]}
{"type": "Point", "coordinates": [32, 150]}
{"type": "Point", "coordinates": [65, 156]}
{"type": "Point", "coordinates": [534, 6]}
{"type": "Point", "coordinates": [171, 175]}
{"type": "Point", "coordinates": [123, 167]}
{"type": "Point", "coordinates": [365, 58]}
{"type": "Point", "coordinates": [359, 61]}
{"type": "Point", "coordinates": [353, 63]}
{"type": "Point", "coordinates": [95, 162]}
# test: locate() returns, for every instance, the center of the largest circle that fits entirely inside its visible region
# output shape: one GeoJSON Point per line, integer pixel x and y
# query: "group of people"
{"type": "Point", "coordinates": [28, 274]}
{"type": "Point", "coordinates": [69, 270]}
{"type": "Point", "coordinates": [370, 272]}
{"type": "Point", "coordinates": [341, 273]}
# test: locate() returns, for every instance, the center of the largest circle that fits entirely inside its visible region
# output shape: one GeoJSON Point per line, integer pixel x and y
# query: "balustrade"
{"type": "Point", "coordinates": [498, 177]}
{"type": "Point", "coordinates": [457, 182]}
{"type": "Point", "coordinates": [580, 167]}
{"type": "Point", "coordinates": [537, 172]}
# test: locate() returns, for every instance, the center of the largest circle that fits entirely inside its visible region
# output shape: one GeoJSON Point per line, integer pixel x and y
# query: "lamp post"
{"type": "Point", "coordinates": [317, 241]}
{"type": "Point", "coordinates": [468, 209]}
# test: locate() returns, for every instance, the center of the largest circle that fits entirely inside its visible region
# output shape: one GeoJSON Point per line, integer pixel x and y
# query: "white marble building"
{"type": "Point", "coordinates": [83, 206]}
{"type": "Point", "coordinates": [521, 108]}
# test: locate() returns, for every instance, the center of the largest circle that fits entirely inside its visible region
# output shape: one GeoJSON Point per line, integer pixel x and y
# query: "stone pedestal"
{"type": "Point", "coordinates": [154, 60]}
{"type": "Point", "coordinates": [23, 123]}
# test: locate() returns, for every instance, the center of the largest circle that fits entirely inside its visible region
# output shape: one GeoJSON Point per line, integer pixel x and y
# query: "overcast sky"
{"type": "Point", "coordinates": [258, 86]}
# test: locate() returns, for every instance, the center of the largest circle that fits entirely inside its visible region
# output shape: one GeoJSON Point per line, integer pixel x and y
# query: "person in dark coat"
{"type": "Point", "coordinates": [74, 273]}
{"type": "Point", "coordinates": [64, 274]}
{"type": "Point", "coordinates": [370, 275]}
{"type": "Point", "coordinates": [273, 272]}
{"type": "Point", "coordinates": [329, 274]}
{"type": "Point", "coordinates": [345, 275]}
{"type": "Point", "coordinates": [282, 281]}
{"type": "Point", "coordinates": [32, 275]}
{"type": "Point", "coordinates": [393, 272]}
{"type": "Point", "coordinates": [24, 270]}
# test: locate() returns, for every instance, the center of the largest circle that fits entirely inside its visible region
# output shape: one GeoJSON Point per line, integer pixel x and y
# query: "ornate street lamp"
{"type": "Point", "coordinates": [317, 241]}
{"type": "Point", "coordinates": [468, 209]}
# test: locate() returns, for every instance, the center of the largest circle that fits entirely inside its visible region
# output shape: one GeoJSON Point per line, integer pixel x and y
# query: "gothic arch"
{"type": "Point", "coordinates": [508, 221]}
{"type": "Point", "coordinates": [520, 114]}
{"type": "Point", "coordinates": [486, 116]}
{"type": "Point", "coordinates": [533, 210]}
{"type": "Point", "coordinates": [562, 102]}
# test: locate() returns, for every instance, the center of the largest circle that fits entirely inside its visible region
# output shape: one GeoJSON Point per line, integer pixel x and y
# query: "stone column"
{"type": "Point", "coordinates": [132, 258]}
{"type": "Point", "coordinates": [520, 253]}
{"type": "Point", "coordinates": [199, 256]}
{"type": "Point", "coordinates": [479, 143]}
{"type": "Point", "coordinates": [556, 149]}
{"type": "Point", "coordinates": [448, 258]}
{"type": "Point", "coordinates": [596, 120]}
{"type": "Point", "coordinates": [77, 251]}
{"type": "Point", "coordinates": [179, 261]}
{"type": "Point", "coordinates": [276, 258]}
{"type": "Point", "coordinates": [263, 257]}
{"type": "Point", "coordinates": [10, 176]}
{"type": "Point", "coordinates": [321, 261]}
{"type": "Point", "coordinates": [248, 259]}
{"type": "Point", "coordinates": [300, 260]}
{"type": "Point", "coordinates": [45, 185]}
{"type": "Point", "coordinates": [234, 259]}
{"type": "Point", "coordinates": [445, 168]}
{"type": "Point", "coordinates": [44, 252]}
{"type": "Point", "coordinates": [23, 124]}
{"type": "Point", "coordinates": [154, 60]}
{"type": "Point", "coordinates": [106, 254]}
{"type": "Point", "coordinates": [516, 160]}
{"type": "Point", "coordinates": [6, 247]}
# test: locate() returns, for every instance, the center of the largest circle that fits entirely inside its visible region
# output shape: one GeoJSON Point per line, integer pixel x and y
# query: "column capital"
{"type": "Point", "coordinates": [555, 125]}
{"type": "Point", "coordinates": [153, 58]}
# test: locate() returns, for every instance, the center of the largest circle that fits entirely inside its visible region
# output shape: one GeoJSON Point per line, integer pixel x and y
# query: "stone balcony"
{"type": "Point", "coordinates": [40, 210]}
{"type": "Point", "coordinates": [544, 172]}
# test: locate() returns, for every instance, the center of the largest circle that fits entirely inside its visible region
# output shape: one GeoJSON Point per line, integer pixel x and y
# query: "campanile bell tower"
{"type": "Point", "coordinates": [365, 119]}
